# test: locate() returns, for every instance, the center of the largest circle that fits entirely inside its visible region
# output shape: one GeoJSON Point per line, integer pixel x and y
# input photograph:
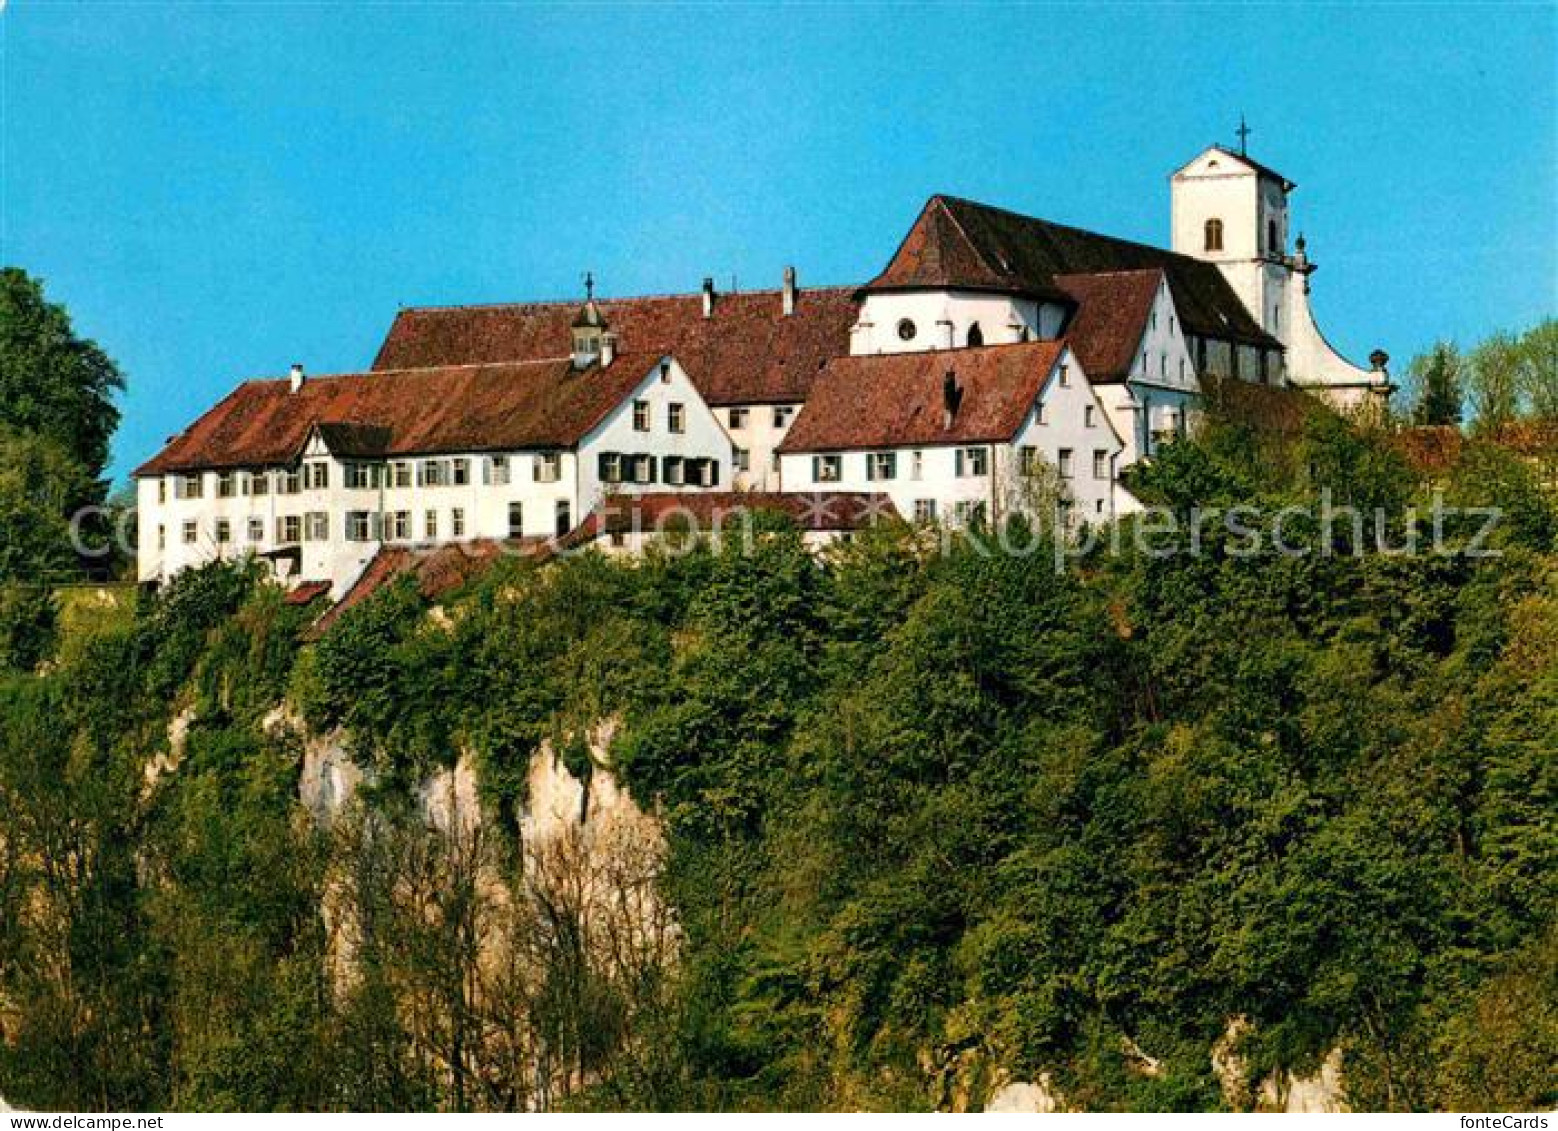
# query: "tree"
{"type": "Point", "coordinates": [1438, 386]}
{"type": "Point", "coordinates": [29, 623]}
{"type": "Point", "coordinates": [1496, 380]}
{"type": "Point", "coordinates": [1540, 346]}
{"type": "Point", "coordinates": [53, 383]}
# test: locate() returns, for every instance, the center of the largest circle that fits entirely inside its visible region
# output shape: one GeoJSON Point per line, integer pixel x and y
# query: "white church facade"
{"type": "Point", "coordinates": [1233, 211]}
{"type": "Point", "coordinates": [994, 350]}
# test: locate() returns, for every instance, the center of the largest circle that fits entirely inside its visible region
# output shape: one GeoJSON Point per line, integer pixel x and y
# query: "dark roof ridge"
{"type": "Point", "coordinates": [1265, 170]}
{"type": "Point", "coordinates": [312, 377]}
{"type": "Point", "coordinates": [1084, 231]}
{"type": "Point", "coordinates": [604, 300]}
{"type": "Point", "coordinates": [1110, 274]}
{"type": "Point", "coordinates": [972, 243]}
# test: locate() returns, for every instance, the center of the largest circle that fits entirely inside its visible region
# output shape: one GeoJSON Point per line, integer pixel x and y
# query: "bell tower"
{"type": "Point", "coordinates": [1231, 210]}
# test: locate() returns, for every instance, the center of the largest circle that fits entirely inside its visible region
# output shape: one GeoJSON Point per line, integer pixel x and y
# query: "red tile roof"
{"type": "Point", "coordinates": [960, 243]}
{"type": "Point", "coordinates": [438, 569]}
{"type": "Point", "coordinates": [1111, 317]}
{"type": "Point", "coordinates": [306, 592]}
{"type": "Point", "coordinates": [464, 408]}
{"type": "Point", "coordinates": [897, 399]}
{"type": "Point", "coordinates": [748, 352]}
{"type": "Point", "coordinates": [660, 511]}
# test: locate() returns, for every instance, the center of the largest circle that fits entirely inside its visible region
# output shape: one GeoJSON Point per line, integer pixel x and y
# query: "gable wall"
{"type": "Point", "coordinates": [942, 320]}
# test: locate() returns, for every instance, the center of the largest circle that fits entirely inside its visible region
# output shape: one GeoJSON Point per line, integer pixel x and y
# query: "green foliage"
{"type": "Point", "coordinates": [29, 624]}
{"type": "Point", "coordinates": [1437, 386]}
{"type": "Point", "coordinates": [931, 816]}
{"type": "Point", "coordinates": [1513, 375]}
{"type": "Point", "coordinates": [52, 383]}
{"type": "Point", "coordinates": [39, 487]}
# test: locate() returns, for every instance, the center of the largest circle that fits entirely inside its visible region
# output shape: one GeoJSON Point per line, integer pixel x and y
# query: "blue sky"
{"type": "Point", "coordinates": [217, 190]}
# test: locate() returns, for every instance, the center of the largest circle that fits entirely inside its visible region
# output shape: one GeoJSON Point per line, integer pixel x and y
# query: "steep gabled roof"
{"type": "Point", "coordinates": [938, 252]}
{"type": "Point", "coordinates": [747, 352]}
{"type": "Point", "coordinates": [1112, 312]}
{"type": "Point", "coordinates": [461, 408]}
{"type": "Point", "coordinates": [356, 441]}
{"type": "Point", "coordinates": [959, 243]}
{"type": "Point", "coordinates": [897, 399]}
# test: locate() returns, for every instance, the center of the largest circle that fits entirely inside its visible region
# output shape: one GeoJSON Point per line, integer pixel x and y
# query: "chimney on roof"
{"type": "Point", "coordinates": [1379, 360]}
{"type": "Point", "coordinates": [951, 399]}
{"type": "Point", "coordinates": [789, 291]}
{"type": "Point", "coordinates": [608, 348]}
{"type": "Point", "coordinates": [708, 296]}
{"type": "Point", "coordinates": [296, 378]}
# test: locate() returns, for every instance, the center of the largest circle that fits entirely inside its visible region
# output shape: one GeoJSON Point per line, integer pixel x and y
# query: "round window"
{"type": "Point", "coordinates": [906, 329]}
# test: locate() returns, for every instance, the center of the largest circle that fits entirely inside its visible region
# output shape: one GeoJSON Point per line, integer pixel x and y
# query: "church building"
{"type": "Point", "coordinates": [994, 351]}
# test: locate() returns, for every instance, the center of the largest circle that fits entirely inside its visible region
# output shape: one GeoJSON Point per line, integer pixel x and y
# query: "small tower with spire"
{"type": "Point", "coordinates": [589, 327]}
{"type": "Point", "coordinates": [1232, 210]}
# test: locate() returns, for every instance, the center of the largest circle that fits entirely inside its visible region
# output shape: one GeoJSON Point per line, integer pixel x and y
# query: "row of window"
{"type": "Point", "coordinates": [782, 415]}
{"type": "Point", "coordinates": [675, 416]}
{"type": "Point", "coordinates": [968, 463]}
{"type": "Point", "coordinates": [973, 512]}
{"type": "Point", "coordinates": [496, 471]}
{"type": "Point", "coordinates": [1162, 365]}
{"type": "Point", "coordinates": [674, 471]}
{"type": "Point", "coordinates": [973, 336]}
{"type": "Point", "coordinates": [1212, 236]}
{"type": "Point", "coordinates": [1264, 368]}
{"type": "Point", "coordinates": [743, 460]}
{"type": "Point", "coordinates": [361, 526]}
{"type": "Point", "coordinates": [965, 512]}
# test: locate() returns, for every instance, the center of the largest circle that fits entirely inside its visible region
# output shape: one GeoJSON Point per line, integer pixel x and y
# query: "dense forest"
{"type": "Point", "coordinates": [934, 814]}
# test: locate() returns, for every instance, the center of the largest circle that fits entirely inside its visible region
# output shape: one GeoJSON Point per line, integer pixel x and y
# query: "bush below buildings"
{"type": "Point", "coordinates": [921, 810]}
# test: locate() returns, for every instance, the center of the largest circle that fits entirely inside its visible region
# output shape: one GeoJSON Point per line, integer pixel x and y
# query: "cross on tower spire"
{"type": "Point", "coordinates": [1244, 132]}
{"type": "Point", "coordinates": [589, 285]}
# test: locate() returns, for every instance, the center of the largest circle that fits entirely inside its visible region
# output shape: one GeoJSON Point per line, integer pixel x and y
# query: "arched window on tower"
{"type": "Point", "coordinates": [1214, 235]}
{"type": "Point", "coordinates": [976, 336]}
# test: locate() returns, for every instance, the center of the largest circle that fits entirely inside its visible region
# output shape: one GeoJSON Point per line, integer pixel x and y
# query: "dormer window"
{"type": "Point", "coordinates": [1214, 235]}
{"type": "Point", "coordinates": [587, 329]}
{"type": "Point", "coordinates": [586, 346]}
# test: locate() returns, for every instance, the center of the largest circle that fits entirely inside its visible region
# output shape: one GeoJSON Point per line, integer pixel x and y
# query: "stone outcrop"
{"type": "Point", "coordinates": [161, 764]}
{"type": "Point", "coordinates": [1321, 1092]}
{"type": "Point", "coordinates": [1027, 1098]}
